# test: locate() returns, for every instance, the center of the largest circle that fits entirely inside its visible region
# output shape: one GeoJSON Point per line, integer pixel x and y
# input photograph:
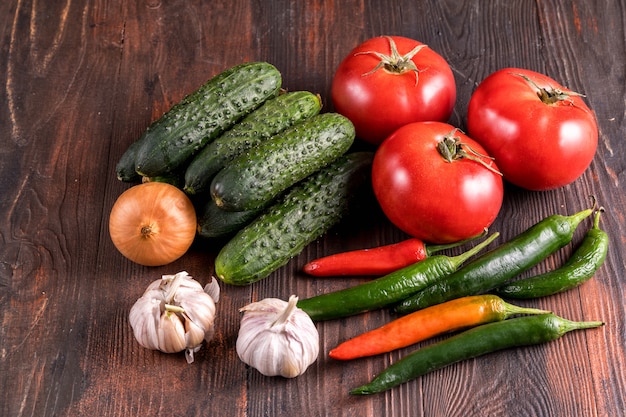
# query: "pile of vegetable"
{"type": "Point", "coordinates": [267, 172]}
{"type": "Point", "coordinates": [238, 157]}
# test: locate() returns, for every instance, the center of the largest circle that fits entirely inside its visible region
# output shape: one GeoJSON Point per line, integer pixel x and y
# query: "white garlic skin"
{"type": "Point", "coordinates": [277, 338]}
{"type": "Point", "coordinates": [174, 314]}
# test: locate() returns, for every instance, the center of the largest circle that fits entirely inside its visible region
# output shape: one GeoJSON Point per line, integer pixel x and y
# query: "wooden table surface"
{"type": "Point", "coordinates": [83, 79]}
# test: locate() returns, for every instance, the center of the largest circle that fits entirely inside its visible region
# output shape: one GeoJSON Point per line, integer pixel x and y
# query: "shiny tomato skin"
{"type": "Point", "coordinates": [379, 102]}
{"type": "Point", "coordinates": [428, 197]}
{"type": "Point", "coordinates": [537, 146]}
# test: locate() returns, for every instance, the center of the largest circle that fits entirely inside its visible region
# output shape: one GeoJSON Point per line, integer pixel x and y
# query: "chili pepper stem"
{"type": "Point", "coordinates": [430, 249]}
{"type": "Point", "coordinates": [511, 310]}
{"type": "Point", "coordinates": [596, 219]}
{"type": "Point", "coordinates": [460, 259]}
{"type": "Point", "coordinates": [576, 218]}
{"type": "Point", "coordinates": [566, 326]}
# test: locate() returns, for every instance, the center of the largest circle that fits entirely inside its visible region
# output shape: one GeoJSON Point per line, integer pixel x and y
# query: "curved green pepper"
{"type": "Point", "coordinates": [579, 268]}
{"type": "Point", "coordinates": [487, 338]}
{"type": "Point", "coordinates": [496, 267]}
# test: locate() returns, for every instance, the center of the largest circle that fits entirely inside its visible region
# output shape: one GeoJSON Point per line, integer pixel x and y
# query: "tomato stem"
{"type": "Point", "coordinates": [550, 95]}
{"type": "Point", "coordinates": [394, 62]}
{"type": "Point", "coordinates": [452, 149]}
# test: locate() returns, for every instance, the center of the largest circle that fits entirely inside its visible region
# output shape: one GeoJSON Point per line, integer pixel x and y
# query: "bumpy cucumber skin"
{"type": "Point", "coordinates": [265, 171]}
{"type": "Point", "coordinates": [304, 213]}
{"type": "Point", "coordinates": [204, 115]}
{"type": "Point", "coordinates": [274, 116]}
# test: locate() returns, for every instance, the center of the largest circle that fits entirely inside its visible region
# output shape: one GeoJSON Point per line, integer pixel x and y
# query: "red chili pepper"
{"type": "Point", "coordinates": [423, 324]}
{"type": "Point", "coordinates": [380, 260]}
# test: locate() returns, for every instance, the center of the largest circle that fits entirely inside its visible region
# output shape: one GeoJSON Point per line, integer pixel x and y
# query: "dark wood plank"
{"type": "Point", "coordinates": [82, 80]}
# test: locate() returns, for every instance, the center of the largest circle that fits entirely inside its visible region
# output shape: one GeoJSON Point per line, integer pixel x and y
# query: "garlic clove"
{"type": "Point", "coordinates": [171, 333]}
{"type": "Point", "coordinates": [213, 289]}
{"type": "Point", "coordinates": [144, 318]}
{"type": "Point", "coordinates": [194, 334]}
{"type": "Point", "coordinates": [273, 355]}
{"type": "Point", "coordinates": [200, 309]}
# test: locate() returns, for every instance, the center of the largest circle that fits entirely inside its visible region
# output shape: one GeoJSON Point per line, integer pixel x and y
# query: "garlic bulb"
{"type": "Point", "coordinates": [277, 338]}
{"type": "Point", "coordinates": [174, 314]}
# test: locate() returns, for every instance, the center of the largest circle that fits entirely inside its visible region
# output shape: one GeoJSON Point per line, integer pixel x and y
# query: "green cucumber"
{"type": "Point", "coordinates": [274, 116]}
{"type": "Point", "coordinates": [265, 171]}
{"type": "Point", "coordinates": [125, 168]}
{"type": "Point", "coordinates": [203, 115]}
{"type": "Point", "coordinates": [307, 211]}
{"type": "Point", "coordinates": [215, 223]}
{"type": "Point", "coordinates": [173, 179]}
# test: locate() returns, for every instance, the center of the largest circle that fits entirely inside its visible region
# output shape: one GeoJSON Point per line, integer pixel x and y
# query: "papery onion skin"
{"type": "Point", "coordinates": [153, 224]}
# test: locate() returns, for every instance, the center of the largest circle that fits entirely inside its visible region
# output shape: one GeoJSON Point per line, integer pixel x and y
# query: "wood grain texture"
{"type": "Point", "coordinates": [82, 79]}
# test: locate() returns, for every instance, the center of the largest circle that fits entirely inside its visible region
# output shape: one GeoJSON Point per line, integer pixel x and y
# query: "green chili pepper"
{"type": "Point", "coordinates": [579, 268]}
{"type": "Point", "coordinates": [501, 264]}
{"type": "Point", "coordinates": [386, 290]}
{"type": "Point", "coordinates": [487, 338]}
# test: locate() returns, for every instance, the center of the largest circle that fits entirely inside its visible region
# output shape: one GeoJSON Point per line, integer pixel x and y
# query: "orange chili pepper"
{"type": "Point", "coordinates": [380, 260]}
{"type": "Point", "coordinates": [423, 324]}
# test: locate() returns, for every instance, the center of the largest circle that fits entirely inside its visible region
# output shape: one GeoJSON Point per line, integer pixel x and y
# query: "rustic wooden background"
{"type": "Point", "coordinates": [82, 79]}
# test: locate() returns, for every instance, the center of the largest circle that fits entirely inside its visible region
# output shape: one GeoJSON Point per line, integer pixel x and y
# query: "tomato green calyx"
{"type": "Point", "coordinates": [394, 62]}
{"type": "Point", "coordinates": [452, 149]}
{"type": "Point", "coordinates": [550, 95]}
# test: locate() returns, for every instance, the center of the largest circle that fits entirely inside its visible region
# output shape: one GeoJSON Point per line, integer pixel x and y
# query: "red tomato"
{"type": "Point", "coordinates": [430, 197]}
{"type": "Point", "coordinates": [389, 81]}
{"type": "Point", "coordinates": [541, 134]}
